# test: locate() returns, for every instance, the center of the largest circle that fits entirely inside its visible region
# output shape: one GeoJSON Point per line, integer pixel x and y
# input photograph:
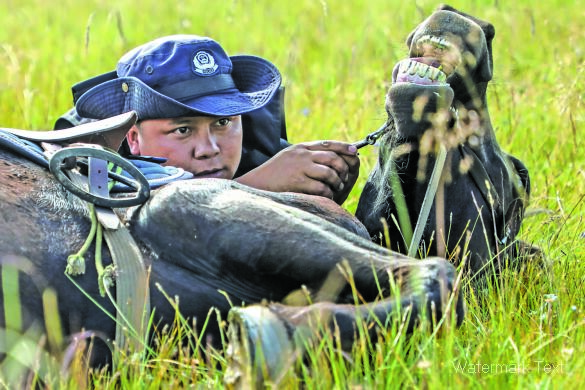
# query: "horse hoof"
{"type": "Point", "coordinates": [260, 347]}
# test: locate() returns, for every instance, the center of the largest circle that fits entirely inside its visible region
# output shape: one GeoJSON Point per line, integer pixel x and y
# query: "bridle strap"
{"type": "Point", "coordinates": [427, 204]}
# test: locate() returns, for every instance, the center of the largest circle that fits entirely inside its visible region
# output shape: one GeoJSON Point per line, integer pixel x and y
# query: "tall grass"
{"type": "Point", "coordinates": [336, 58]}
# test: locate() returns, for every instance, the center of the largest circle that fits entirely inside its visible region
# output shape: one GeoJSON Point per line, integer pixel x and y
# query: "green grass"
{"type": "Point", "coordinates": [336, 58]}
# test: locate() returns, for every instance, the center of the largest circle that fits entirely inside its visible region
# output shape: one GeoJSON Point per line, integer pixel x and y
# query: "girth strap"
{"type": "Point", "coordinates": [132, 285]}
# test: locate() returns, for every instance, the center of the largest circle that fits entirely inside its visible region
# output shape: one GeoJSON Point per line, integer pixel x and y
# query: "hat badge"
{"type": "Point", "coordinates": [204, 63]}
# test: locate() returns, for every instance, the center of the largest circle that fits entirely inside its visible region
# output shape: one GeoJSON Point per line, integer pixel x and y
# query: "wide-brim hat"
{"type": "Point", "coordinates": [182, 75]}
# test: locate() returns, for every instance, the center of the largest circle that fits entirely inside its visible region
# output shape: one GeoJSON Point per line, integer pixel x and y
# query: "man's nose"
{"type": "Point", "coordinates": [205, 145]}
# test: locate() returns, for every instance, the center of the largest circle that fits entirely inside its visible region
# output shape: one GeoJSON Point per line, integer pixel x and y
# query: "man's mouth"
{"type": "Point", "coordinates": [211, 173]}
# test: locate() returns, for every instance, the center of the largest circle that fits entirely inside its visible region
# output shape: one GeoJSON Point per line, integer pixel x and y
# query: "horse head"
{"type": "Point", "coordinates": [438, 117]}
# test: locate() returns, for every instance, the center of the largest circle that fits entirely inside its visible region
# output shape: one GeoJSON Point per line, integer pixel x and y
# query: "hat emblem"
{"type": "Point", "coordinates": [204, 63]}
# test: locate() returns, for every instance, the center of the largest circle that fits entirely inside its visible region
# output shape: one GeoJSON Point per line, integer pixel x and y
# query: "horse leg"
{"type": "Point", "coordinates": [265, 340]}
{"type": "Point", "coordinates": [257, 249]}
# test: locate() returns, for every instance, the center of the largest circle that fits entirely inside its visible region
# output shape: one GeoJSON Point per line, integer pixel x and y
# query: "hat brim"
{"type": "Point", "coordinates": [256, 79]}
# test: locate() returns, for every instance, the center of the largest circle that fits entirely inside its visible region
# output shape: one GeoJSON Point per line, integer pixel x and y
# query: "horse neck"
{"type": "Point", "coordinates": [477, 101]}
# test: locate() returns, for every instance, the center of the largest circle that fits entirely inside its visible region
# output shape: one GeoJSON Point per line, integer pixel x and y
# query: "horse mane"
{"type": "Point", "coordinates": [380, 176]}
{"type": "Point", "coordinates": [56, 198]}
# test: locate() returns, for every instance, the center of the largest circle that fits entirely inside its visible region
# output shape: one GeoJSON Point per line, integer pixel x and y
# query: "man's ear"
{"type": "Point", "coordinates": [133, 140]}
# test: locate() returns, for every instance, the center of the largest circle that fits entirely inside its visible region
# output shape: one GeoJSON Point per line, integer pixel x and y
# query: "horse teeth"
{"type": "Point", "coordinates": [437, 42]}
{"type": "Point", "coordinates": [441, 43]}
{"type": "Point", "coordinates": [423, 69]}
{"type": "Point", "coordinates": [432, 73]}
{"type": "Point", "coordinates": [404, 66]}
{"type": "Point", "coordinates": [413, 68]}
{"type": "Point", "coordinates": [438, 75]}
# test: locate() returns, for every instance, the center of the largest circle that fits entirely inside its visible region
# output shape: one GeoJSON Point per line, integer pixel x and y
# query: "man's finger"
{"type": "Point", "coordinates": [333, 146]}
{"type": "Point", "coordinates": [327, 176]}
{"type": "Point", "coordinates": [332, 160]}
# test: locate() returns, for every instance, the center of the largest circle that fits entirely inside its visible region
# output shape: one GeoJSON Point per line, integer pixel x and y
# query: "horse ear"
{"type": "Point", "coordinates": [488, 29]}
{"type": "Point", "coordinates": [486, 65]}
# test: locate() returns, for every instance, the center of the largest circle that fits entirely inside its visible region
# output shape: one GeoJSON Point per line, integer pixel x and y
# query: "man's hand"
{"type": "Point", "coordinates": [326, 168]}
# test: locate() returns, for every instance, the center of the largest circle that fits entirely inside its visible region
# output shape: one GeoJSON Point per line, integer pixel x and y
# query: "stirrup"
{"type": "Point", "coordinates": [66, 159]}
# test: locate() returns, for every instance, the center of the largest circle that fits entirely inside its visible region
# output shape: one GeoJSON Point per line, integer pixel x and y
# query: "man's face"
{"type": "Point", "coordinates": [206, 146]}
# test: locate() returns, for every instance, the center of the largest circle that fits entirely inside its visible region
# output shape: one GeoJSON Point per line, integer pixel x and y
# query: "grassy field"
{"type": "Point", "coordinates": [336, 58]}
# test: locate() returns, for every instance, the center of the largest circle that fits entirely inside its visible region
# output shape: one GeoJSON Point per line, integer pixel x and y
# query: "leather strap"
{"type": "Point", "coordinates": [132, 286]}
{"type": "Point", "coordinates": [425, 209]}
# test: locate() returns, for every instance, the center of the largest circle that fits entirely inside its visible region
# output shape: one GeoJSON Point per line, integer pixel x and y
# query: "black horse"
{"type": "Point", "coordinates": [211, 243]}
{"type": "Point", "coordinates": [438, 116]}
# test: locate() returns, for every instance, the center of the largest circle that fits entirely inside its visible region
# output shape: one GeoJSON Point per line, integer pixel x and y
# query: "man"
{"type": "Point", "coordinates": [190, 97]}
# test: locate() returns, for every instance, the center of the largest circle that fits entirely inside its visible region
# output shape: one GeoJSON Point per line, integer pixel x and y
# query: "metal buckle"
{"type": "Point", "coordinates": [66, 159]}
{"type": "Point", "coordinates": [372, 137]}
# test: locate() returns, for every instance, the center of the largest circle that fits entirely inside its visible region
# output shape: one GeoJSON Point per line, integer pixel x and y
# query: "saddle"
{"type": "Point", "coordinates": [65, 152]}
{"type": "Point", "coordinates": [108, 133]}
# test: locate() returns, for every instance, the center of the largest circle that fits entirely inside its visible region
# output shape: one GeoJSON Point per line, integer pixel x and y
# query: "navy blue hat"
{"type": "Point", "coordinates": [182, 75]}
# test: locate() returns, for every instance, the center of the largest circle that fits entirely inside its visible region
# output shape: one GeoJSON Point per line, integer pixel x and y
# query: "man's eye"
{"type": "Point", "coordinates": [223, 122]}
{"type": "Point", "coordinates": [182, 130]}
